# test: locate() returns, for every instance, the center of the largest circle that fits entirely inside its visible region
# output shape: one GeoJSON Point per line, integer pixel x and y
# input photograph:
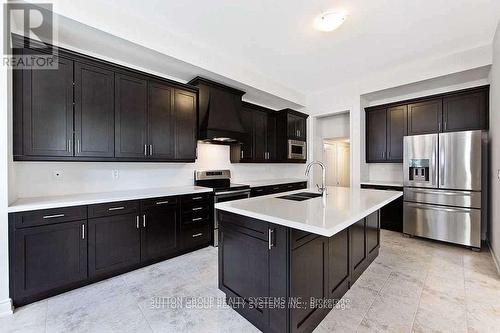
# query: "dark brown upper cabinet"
{"type": "Point", "coordinates": [456, 111]}
{"type": "Point", "coordinates": [425, 117]}
{"type": "Point", "coordinates": [247, 148]}
{"type": "Point", "coordinates": [161, 121]}
{"type": "Point", "coordinates": [185, 110]}
{"type": "Point", "coordinates": [376, 135]}
{"type": "Point", "coordinates": [44, 111]}
{"type": "Point", "coordinates": [94, 111]}
{"type": "Point", "coordinates": [131, 117]}
{"type": "Point", "coordinates": [396, 129]}
{"type": "Point", "coordinates": [260, 132]}
{"type": "Point", "coordinates": [296, 125]}
{"type": "Point", "coordinates": [465, 111]}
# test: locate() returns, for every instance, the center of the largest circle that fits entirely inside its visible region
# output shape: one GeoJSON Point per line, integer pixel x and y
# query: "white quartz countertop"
{"type": "Point", "coordinates": [268, 182]}
{"type": "Point", "coordinates": [383, 183]}
{"type": "Point", "coordinates": [342, 207]}
{"type": "Point", "coordinates": [35, 203]}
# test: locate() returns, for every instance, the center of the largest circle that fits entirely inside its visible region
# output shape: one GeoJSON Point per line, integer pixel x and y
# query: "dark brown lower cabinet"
{"type": "Point", "coordinates": [48, 257]}
{"type": "Point", "coordinates": [391, 215]}
{"type": "Point", "coordinates": [159, 232]}
{"type": "Point", "coordinates": [301, 273]}
{"type": "Point", "coordinates": [55, 250]}
{"type": "Point", "coordinates": [114, 244]}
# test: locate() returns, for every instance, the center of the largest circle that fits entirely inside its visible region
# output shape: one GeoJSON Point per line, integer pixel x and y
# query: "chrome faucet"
{"type": "Point", "coordinates": [322, 188]}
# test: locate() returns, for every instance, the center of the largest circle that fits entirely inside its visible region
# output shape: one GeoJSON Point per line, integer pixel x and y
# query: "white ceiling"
{"type": "Point", "coordinates": [275, 39]}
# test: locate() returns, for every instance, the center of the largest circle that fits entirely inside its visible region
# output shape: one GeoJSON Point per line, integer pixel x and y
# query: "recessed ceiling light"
{"type": "Point", "coordinates": [330, 20]}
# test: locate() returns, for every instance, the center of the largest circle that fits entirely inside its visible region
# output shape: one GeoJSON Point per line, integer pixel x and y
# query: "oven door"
{"type": "Point", "coordinates": [296, 150]}
{"type": "Point", "coordinates": [223, 197]}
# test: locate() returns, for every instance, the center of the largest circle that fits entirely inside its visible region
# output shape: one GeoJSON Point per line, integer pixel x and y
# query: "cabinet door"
{"type": "Point", "coordinates": [338, 267]}
{"type": "Point", "coordinates": [161, 122]}
{"type": "Point", "coordinates": [271, 137]}
{"type": "Point", "coordinates": [260, 135]}
{"type": "Point", "coordinates": [465, 112]}
{"type": "Point", "coordinates": [397, 128]}
{"type": "Point", "coordinates": [247, 142]}
{"type": "Point", "coordinates": [372, 232]}
{"type": "Point", "coordinates": [425, 117]}
{"type": "Point", "coordinates": [49, 257]}
{"type": "Point", "coordinates": [244, 270]}
{"type": "Point", "coordinates": [94, 111]}
{"type": "Point", "coordinates": [48, 111]}
{"type": "Point", "coordinates": [358, 248]}
{"type": "Point", "coordinates": [159, 232]}
{"type": "Point", "coordinates": [292, 122]}
{"type": "Point", "coordinates": [376, 132]}
{"type": "Point", "coordinates": [301, 124]}
{"type": "Point", "coordinates": [185, 108]}
{"type": "Point", "coordinates": [130, 117]}
{"type": "Point", "coordinates": [114, 243]}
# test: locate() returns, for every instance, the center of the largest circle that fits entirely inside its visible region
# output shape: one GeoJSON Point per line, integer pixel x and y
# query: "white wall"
{"type": "Point", "coordinates": [36, 178]}
{"type": "Point", "coordinates": [494, 235]}
{"type": "Point", "coordinates": [5, 147]}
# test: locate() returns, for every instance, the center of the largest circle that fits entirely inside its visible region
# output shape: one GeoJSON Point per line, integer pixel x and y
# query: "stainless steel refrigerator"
{"type": "Point", "coordinates": [445, 186]}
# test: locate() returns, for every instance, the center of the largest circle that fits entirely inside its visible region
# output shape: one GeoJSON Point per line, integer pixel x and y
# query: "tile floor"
{"type": "Point", "coordinates": [413, 286]}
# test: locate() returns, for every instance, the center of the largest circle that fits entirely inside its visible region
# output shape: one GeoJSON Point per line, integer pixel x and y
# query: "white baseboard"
{"type": "Point", "coordinates": [496, 260]}
{"type": "Point", "coordinates": [6, 307]}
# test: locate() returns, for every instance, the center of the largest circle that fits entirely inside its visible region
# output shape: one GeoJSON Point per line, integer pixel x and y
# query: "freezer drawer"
{"type": "Point", "coordinates": [450, 224]}
{"type": "Point", "coordinates": [443, 197]}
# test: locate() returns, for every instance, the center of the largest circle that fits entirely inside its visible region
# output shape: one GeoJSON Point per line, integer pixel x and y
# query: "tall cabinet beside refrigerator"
{"type": "Point", "coordinates": [445, 186]}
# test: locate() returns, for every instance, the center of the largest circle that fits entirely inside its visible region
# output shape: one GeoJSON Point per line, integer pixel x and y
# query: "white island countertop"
{"type": "Point", "coordinates": [58, 201]}
{"type": "Point", "coordinates": [342, 207]}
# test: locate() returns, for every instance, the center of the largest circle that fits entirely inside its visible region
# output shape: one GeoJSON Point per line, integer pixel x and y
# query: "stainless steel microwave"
{"type": "Point", "coordinates": [297, 150]}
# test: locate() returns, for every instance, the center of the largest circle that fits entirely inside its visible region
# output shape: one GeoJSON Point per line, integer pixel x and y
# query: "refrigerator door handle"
{"type": "Point", "coordinates": [441, 159]}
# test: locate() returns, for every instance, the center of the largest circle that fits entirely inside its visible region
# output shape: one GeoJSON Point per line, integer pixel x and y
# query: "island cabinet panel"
{"type": "Point", "coordinates": [307, 272]}
{"type": "Point", "coordinates": [46, 258]}
{"type": "Point", "coordinates": [114, 244]}
{"type": "Point", "coordinates": [308, 263]}
{"type": "Point", "coordinates": [338, 265]}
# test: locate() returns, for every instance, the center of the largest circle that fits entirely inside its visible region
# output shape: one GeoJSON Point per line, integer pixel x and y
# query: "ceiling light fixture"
{"type": "Point", "coordinates": [329, 21]}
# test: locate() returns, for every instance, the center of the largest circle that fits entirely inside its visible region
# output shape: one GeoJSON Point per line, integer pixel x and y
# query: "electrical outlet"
{"type": "Point", "coordinates": [115, 174]}
{"type": "Point", "coordinates": [57, 175]}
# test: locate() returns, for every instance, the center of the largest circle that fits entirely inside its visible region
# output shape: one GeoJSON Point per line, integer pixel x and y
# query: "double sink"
{"type": "Point", "coordinates": [300, 196]}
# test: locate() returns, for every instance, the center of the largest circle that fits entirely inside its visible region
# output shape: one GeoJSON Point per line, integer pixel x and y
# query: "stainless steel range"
{"type": "Point", "coordinates": [224, 190]}
{"type": "Point", "coordinates": [445, 186]}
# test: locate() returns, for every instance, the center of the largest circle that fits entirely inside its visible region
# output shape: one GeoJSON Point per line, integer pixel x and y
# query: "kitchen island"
{"type": "Point", "coordinates": [284, 261]}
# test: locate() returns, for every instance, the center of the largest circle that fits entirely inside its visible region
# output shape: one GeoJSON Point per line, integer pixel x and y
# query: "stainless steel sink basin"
{"type": "Point", "coordinates": [300, 196]}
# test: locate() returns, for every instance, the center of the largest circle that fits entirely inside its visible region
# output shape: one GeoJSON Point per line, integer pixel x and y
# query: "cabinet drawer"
{"type": "Point", "coordinates": [159, 202]}
{"type": "Point", "coordinates": [195, 207]}
{"type": "Point", "coordinates": [195, 218]}
{"type": "Point", "coordinates": [195, 198]}
{"type": "Point", "coordinates": [114, 208]}
{"type": "Point", "coordinates": [196, 235]}
{"type": "Point", "coordinates": [50, 216]}
{"type": "Point", "coordinates": [258, 191]}
{"type": "Point", "coordinates": [243, 224]}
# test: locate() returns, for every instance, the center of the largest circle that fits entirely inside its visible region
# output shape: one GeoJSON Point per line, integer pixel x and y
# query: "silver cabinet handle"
{"type": "Point", "coordinates": [197, 219]}
{"type": "Point", "coordinates": [150, 150]}
{"type": "Point", "coordinates": [197, 198]}
{"type": "Point", "coordinates": [116, 208]}
{"type": "Point", "coordinates": [270, 238]}
{"type": "Point", "coordinates": [162, 202]}
{"type": "Point", "coordinates": [197, 208]}
{"type": "Point", "coordinates": [241, 154]}
{"type": "Point", "coordinates": [439, 127]}
{"type": "Point", "coordinates": [137, 222]}
{"type": "Point", "coordinates": [53, 216]}
{"type": "Point", "coordinates": [69, 145]}
{"type": "Point", "coordinates": [144, 220]}
{"type": "Point", "coordinates": [197, 235]}
{"type": "Point", "coordinates": [145, 150]}
{"type": "Point", "coordinates": [83, 231]}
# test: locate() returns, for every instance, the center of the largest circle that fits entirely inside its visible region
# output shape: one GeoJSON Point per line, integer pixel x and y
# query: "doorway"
{"type": "Point", "coordinates": [336, 156]}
